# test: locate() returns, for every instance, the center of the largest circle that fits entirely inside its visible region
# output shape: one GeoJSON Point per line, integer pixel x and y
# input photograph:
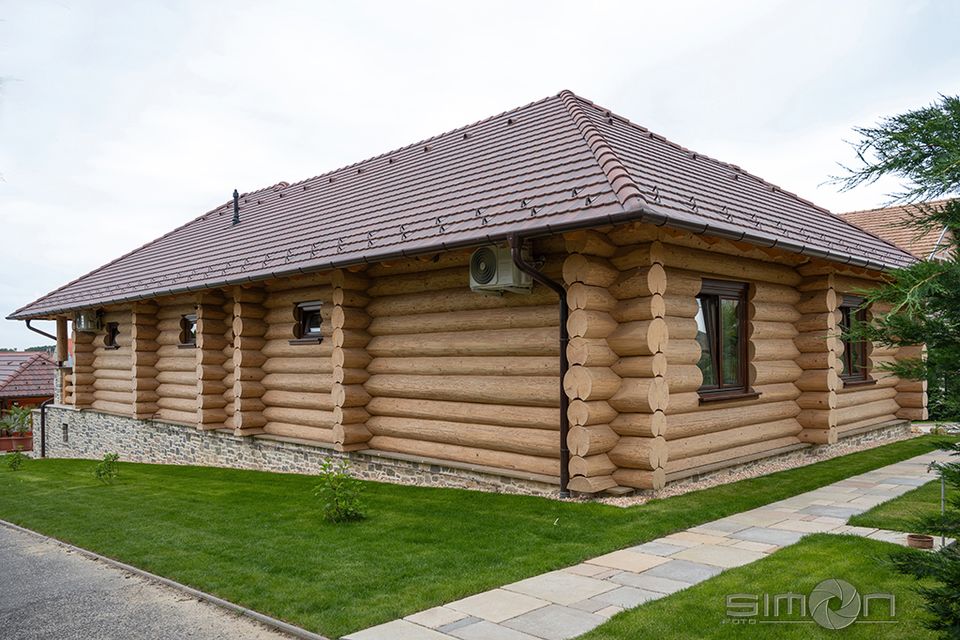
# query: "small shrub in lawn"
{"type": "Point", "coordinates": [339, 492]}
{"type": "Point", "coordinates": [108, 469]}
{"type": "Point", "coordinates": [15, 460]}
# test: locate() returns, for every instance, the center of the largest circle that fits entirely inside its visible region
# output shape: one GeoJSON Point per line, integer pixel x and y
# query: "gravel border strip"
{"type": "Point", "coordinates": [203, 596]}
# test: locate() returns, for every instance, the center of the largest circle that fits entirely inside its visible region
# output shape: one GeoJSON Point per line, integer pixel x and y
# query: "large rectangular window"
{"type": "Point", "coordinates": [854, 359]}
{"type": "Point", "coordinates": [722, 334]}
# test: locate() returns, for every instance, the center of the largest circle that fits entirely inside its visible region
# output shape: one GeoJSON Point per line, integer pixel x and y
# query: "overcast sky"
{"type": "Point", "coordinates": [122, 120]}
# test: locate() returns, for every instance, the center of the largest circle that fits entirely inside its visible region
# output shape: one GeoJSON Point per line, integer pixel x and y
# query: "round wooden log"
{"type": "Point", "coordinates": [246, 358]}
{"type": "Point", "coordinates": [641, 366]}
{"type": "Point", "coordinates": [639, 338]}
{"type": "Point", "coordinates": [177, 391]}
{"type": "Point", "coordinates": [822, 322]}
{"type": "Point", "coordinates": [773, 312]}
{"type": "Point", "coordinates": [639, 282]}
{"type": "Point", "coordinates": [320, 400]}
{"type": "Point", "coordinates": [353, 358]}
{"type": "Point", "coordinates": [912, 400]}
{"type": "Point", "coordinates": [774, 372]}
{"type": "Point", "coordinates": [248, 374]}
{"type": "Point", "coordinates": [709, 420]}
{"type": "Point", "coordinates": [592, 484]}
{"type": "Point", "coordinates": [247, 389]}
{"type": "Point", "coordinates": [682, 352]}
{"type": "Point", "coordinates": [581, 413]}
{"type": "Point", "coordinates": [817, 400]}
{"type": "Point", "coordinates": [911, 413]}
{"type": "Point", "coordinates": [816, 342]}
{"type": "Point", "coordinates": [121, 362]}
{"type": "Point", "coordinates": [677, 469]}
{"type": "Point", "coordinates": [350, 434]}
{"type": "Point", "coordinates": [350, 415]}
{"type": "Point", "coordinates": [772, 331]}
{"type": "Point", "coordinates": [729, 438]}
{"type": "Point", "coordinates": [177, 404]}
{"type": "Point", "coordinates": [248, 342]}
{"type": "Point", "coordinates": [343, 318]}
{"type": "Point", "coordinates": [640, 479]}
{"type": "Point", "coordinates": [589, 270]}
{"type": "Point", "coordinates": [591, 440]}
{"type": "Point", "coordinates": [584, 296]}
{"type": "Point", "coordinates": [683, 402]}
{"type": "Point", "coordinates": [817, 419]}
{"type": "Point", "coordinates": [818, 301]}
{"type": "Point", "coordinates": [211, 401]}
{"type": "Point", "coordinates": [465, 365]}
{"type": "Point", "coordinates": [469, 320]}
{"type": "Point", "coordinates": [645, 308]}
{"type": "Point", "coordinates": [639, 453]}
{"type": "Point", "coordinates": [591, 466]}
{"type": "Point", "coordinates": [470, 455]}
{"type": "Point", "coordinates": [593, 352]}
{"type": "Point", "coordinates": [122, 398]}
{"type": "Point", "coordinates": [817, 360]}
{"type": "Point", "coordinates": [350, 338]}
{"type": "Point", "coordinates": [818, 380]}
{"type": "Point", "coordinates": [860, 395]}
{"type": "Point", "coordinates": [766, 292]}
{"type": "Point", "coordinates": [767, 350]}
{"type": "Point", "coordinates": [683, 377]}
{"type": "Point", "coordinates": [456, 300]}
{"type": "Point", "coordinates": [342, 375]}
{"type": "Point", "coordinates": [646, 425]}
{"type": "Point", "coordinates": [494, 342]}
{"type": "Point", "coordinates": [731, 266]}
{"type": "Point", "coordinates": [908, 386]}
{"type": "Point", "coordinates": [299, 431]}
{"type": "Point", "coordinates": [352, 395]}
{"type": "Point", "coordinates": [419, 282]}
{"type": "Point", "coordinates": [308, 417]}
{"type": "Point", "coordinates": [590, 383]}
{"type": "Point", "coordinates": [525, 417]}
{"type": "Point", "coordinates": [866, 410]}
{"type": "Point", "coordinates": [643, 255]}
{"type": "Point", "coordinates": [297, 365]}
{"type": "Point", "coordinates": [589, 242]}
{"type": "Point", "coordinates": [102, 384]}
{"type": "Point", "coordinates": [538, 392]}
{"type": "Point", "coordinates": [641, 395]}
{"type": "Point", "coordinates": [584, 323]}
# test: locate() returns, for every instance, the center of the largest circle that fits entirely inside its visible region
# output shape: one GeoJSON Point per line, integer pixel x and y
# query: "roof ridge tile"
{"type": "Point", "coordinates": [610, 163]}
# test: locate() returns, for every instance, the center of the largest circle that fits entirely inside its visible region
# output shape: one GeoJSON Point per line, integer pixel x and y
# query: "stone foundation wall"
{"type": "Point", "coordinates": [75, 433]}
{"type": "Point", "coordinates": [88, 434]}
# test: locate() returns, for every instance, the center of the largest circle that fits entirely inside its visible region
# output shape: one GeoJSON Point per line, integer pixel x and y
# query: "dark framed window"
{"type": "Point", "coordinates": [722, 334]}
{"type": "Point", "coordinates": [111, 331]}
{"type": "Point", "coordinates": [854, 360]}
{"type": "Point", "coordinates": [308, 323]}
{"type": "Point", "coordinates": [188, 330]}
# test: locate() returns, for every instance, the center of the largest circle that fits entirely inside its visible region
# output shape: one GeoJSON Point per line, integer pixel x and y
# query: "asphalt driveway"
{"type": "Point", "coordinates": [48, 591]}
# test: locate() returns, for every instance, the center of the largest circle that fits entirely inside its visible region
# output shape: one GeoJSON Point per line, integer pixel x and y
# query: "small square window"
{"type": "Point", "coordinates": [309, 323]}
{"type": "Point", "coordinates": [111, 331]}
{"type": "Point", "coordinates": [188, 330]}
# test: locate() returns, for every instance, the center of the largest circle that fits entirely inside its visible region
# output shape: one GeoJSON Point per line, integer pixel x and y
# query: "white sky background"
{"type": "Point", "coordinates": [122, 120]}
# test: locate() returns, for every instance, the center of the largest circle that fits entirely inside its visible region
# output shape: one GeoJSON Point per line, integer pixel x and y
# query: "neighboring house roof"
{"type": "Point", "coordinates": [26, 374]}
{"type": "Point", "coordinates": [891, 224]}
{"type": "Point", "coordinates": [556, 164]}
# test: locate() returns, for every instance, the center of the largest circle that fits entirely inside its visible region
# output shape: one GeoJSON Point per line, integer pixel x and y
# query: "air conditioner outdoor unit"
{"type": "Point", "coordinates": [492, 271]}
{"type": "Point", "coordinates": [87, 321]}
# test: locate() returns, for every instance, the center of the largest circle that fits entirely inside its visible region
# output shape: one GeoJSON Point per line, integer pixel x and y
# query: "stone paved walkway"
{"type": "Point", "coordinates": [567, 603]}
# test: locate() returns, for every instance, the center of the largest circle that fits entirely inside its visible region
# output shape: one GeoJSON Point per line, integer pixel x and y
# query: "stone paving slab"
{"type": "Point", "coordinates": [567, 603]}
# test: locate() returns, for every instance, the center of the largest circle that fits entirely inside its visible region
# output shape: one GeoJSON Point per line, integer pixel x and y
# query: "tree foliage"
{"type": "Point", "coordinates": [922, 148]}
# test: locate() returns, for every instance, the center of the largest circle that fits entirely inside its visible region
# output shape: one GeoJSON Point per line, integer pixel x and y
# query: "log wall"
{"type": "Point", "coordinates": [459, 375]}
{"type": "Point", "coordinates": [297, 378]}
{"type": "Point", "coordinates": [411, 361]}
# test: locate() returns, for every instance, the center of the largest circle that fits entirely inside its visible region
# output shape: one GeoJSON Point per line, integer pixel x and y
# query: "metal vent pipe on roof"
{"type": "Point", "coordinates": [236, 207]}
{"type": "Point", "coordinates": [516, 251]}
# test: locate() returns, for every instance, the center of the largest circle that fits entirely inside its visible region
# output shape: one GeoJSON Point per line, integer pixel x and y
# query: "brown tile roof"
{"type": "Point", "coordinates": [26, 374]}
{"type": "Point", "coordinates": [555, 164]}
{"type": "Point", "coordinates": [890, 224]}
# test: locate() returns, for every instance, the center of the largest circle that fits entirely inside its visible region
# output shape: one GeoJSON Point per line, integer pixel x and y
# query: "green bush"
{"type": "Point", "coordinates": [339, 492]}
{"type": "Point", "coordinates": [108, 469]}
{"type": "Point", "coordinates": [15, 460]}
{"type": "Point", "coordinates": [20, 419]}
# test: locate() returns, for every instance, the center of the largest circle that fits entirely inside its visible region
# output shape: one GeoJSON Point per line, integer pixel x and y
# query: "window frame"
{"type": "Point", "coordinates": [188, 321]}
{"type": "Point", "coordinates": [110, 332]}
{"type": "Point", "coordinates": [302, 311]}
{"type": "Point", "coordinates": [727, 290]}
{"type": "Point", "coordinates": [852, 308]}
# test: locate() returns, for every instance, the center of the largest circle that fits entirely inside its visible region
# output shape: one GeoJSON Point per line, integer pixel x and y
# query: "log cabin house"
{"type": "Point", "coordinates": [555, 294]}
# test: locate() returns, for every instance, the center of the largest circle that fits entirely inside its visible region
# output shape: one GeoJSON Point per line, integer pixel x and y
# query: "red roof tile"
{"type": "Point", "coordinates": [26, 374]}
{"type": "Point", "coordinates": [891, 224]}
{"type": "Point", "coordinates": [555, 164]}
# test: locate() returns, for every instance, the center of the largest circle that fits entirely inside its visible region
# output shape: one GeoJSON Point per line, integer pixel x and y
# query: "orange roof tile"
{"type": "Point", "coordinates": [892, 224]}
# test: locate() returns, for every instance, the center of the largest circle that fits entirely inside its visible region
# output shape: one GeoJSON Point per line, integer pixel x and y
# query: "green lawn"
{"type": "Point", "coordinates": [701, 611]}
{"type": "Point", "coordinates": [257, 538]}
{"type": "Point", "coordinates": [901, 514]}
